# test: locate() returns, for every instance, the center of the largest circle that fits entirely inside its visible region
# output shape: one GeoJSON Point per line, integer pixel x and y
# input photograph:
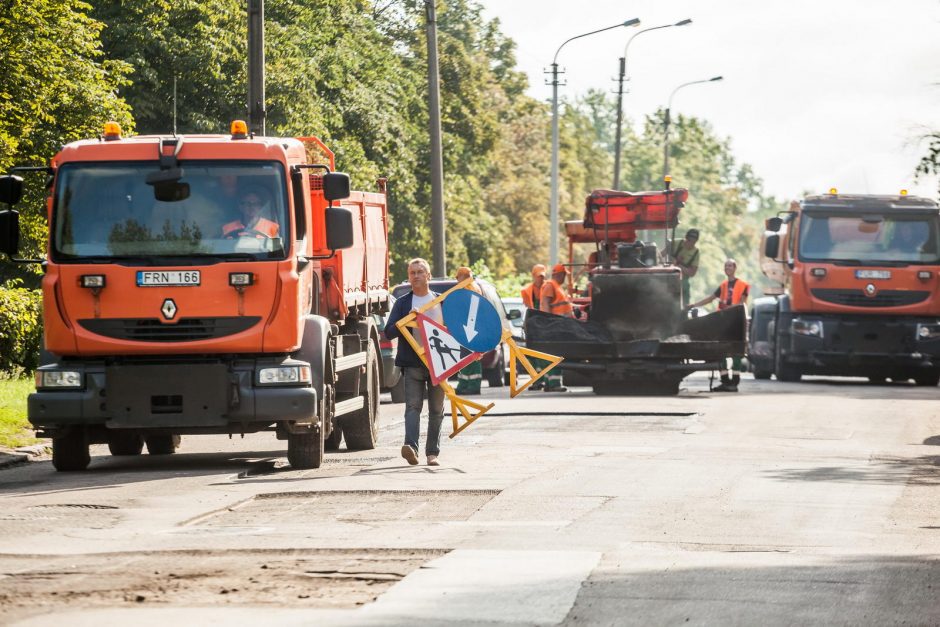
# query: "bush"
{"type": "Point", "coordinates": [20, 327]}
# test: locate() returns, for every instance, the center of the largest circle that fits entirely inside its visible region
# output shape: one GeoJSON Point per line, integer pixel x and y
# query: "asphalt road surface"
{"type": "Point", "coordinates": [806, 503]}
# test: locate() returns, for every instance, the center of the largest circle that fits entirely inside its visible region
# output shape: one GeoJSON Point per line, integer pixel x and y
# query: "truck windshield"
{"type": "Point", "coordinates": [869, 239]}
{"type": "Point", "coordinates": [234, 210]}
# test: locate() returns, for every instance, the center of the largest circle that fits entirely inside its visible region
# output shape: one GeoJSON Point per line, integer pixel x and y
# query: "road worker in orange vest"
{"type": "Point", "coordinates": [470, 376]}
{"type": "Point", "coordinates": [554, 300]}
{"type": "Point", "coordinates": [732, 291]}
{"type": "Point", "coordinates": [252, 223]}
{"type": "Point", "coordinates": [532, 298]}
{"type": "Point", "coordinates": [532, 293]}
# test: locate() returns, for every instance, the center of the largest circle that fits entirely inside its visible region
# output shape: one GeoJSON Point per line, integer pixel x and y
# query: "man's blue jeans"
{"type": "Point", "coordinates": [417, 380]}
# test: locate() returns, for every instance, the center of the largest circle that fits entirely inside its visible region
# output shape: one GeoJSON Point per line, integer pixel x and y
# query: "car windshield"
{"type": "Point", "coordinates": [869, 239]}
{"type": "Point", "coordinates": [234, 209]}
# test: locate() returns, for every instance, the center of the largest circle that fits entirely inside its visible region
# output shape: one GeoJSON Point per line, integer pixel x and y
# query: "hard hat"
{"type": "Point", "coordinates": [559, 268]}
{"type": "Point", "coordinates": [538, 270]}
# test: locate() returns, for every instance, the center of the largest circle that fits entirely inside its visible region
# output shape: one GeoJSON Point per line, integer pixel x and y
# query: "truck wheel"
{"type": "Point", "coordinates": [305, 450]}
{"type": "Point", "coordinates": [336, 436]}
{"type": "Point", "coordinates": [927, 379]}
{"type": "Point", "coordinates": [125, 443]}
{"type": "Point", "coordinates": [398, 392]}
{"type": "Point", "coordinates": [786, 373]}
{"type": "Point", "coordinates": [763, 375]}
{"type": "Point", "coordinates": [70, 452]}
{"type": "Point", "coordinates": [162, 444]}
{"type": "Point", "coordinates": [360, 428]}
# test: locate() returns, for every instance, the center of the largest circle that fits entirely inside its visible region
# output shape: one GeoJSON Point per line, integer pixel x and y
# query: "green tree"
{"type": "Point", "coordinates": [57, 87]}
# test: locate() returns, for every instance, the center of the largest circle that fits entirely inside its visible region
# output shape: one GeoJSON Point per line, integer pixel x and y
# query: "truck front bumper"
{"type": "Point", "coordinates": [863, 345]}
{"type": "Point", "coordinates": [217, 397]}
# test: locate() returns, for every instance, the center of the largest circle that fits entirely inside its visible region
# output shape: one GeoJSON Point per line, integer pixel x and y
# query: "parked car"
{"type": "Point", "coordinates": [494, 361]}
{"type": "Point", "coordinates": [390, 373]}
{"type": "Point", "coordinates": [516, 321]}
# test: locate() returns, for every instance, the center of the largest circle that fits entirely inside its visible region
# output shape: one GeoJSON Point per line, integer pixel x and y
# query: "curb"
{"type": "Point", "coordinates": [8, 460]}
{"type": "Point", "coordinates": [23, 454]}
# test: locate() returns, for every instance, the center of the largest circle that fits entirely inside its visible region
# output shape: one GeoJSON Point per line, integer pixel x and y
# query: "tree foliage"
{"type": "Point", "coordinates": [354, 73]}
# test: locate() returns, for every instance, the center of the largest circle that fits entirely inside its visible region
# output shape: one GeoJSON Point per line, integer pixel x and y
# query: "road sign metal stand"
{"type": "Point", "coordinates": [469, 410]}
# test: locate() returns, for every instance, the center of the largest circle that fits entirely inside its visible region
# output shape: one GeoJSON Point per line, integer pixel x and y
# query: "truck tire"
{"type": "Point", "coordinates": [125, 443]}
{"type": "Point", "coordinates": [785, 372]}
{"type": "Point", "coordinates": [762, 375]}
{"type": "Point", "coordinates": [305, 450]}
{"type": "Point", "coordinates": [927, 379]}
{"type": "Point", "coordinates": [162, 443]}
{"type": "Point", "coordinates": [360, 428]}
{"type": "Point", "coordinates": [336, 437]}
{"type": "Point", "coordinates": [70, 451]}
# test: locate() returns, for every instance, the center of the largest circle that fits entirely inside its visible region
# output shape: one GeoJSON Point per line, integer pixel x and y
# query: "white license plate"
{"type": "Point", "coordinates": [872, 274]}
{"type": "Point", "coordinates": [163, 278]}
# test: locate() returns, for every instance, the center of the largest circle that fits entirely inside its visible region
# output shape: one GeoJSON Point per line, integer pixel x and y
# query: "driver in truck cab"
{"type": "Point", "coordinates": [252, 223]}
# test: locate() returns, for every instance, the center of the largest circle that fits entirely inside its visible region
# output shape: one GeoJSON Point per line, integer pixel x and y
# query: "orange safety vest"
{"type": "Point", "coordinates": [560, 305]}
{"type": "Point", "coordinates": [263, 226]}
{"type": "Point", "coordinates": [530, 296]}
{"type": "Point", "coordinates": [737, 294]}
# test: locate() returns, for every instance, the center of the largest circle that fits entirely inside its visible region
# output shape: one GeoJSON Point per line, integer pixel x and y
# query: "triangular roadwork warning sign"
{"type": "Point", "coordinates": [444, 353]}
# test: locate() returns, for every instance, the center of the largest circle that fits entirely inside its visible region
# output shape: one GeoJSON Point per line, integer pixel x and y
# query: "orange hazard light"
{"type": "Point", "coordinates": [239, 129]}
{"type": "Point", "coordinates": [112, 130]}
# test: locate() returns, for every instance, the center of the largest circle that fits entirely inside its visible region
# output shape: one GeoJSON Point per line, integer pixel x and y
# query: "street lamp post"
{"type": "Point", "coordinates": [667, 120]}
{"type": "Point", "coordinates": [553, 215]}
{"type": "Point", "coordinates": [622, 75]}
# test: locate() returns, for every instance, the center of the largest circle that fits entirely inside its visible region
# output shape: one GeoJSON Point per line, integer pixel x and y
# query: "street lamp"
{"type": "Point", "coordinates": [553, 215]}
{"type": "Point", "coordinates": [668, 107]}
{"type": "Point", "coordinates": [623, 72]}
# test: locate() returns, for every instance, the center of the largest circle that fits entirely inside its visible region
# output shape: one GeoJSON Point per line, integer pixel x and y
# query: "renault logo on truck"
{"type": "Point", "coordinates": [870, 289]}
{"type": "Point", "coordinates": [168, 309]}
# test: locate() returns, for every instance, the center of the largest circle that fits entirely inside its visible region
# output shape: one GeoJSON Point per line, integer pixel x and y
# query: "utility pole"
{"type": "Point", "coordinates": [256, 110]}
{"type": "Point", "coordinates": [438, 254]}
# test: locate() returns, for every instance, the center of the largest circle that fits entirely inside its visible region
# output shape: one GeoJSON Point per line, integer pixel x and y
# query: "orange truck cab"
{"type": "Point", "coordinates": [205, 284]}
{"type": "Point", "coordinates": [860, 292]}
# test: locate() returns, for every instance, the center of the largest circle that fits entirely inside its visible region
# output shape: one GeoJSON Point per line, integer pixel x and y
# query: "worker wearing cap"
{"type": "Point", "coordinates": [553, 299]}
{"type": "Point", "coordinates": [532, 297]}
{"type": "Point", "coordinates": [532, 293]}
{"type": "Point", "coordinates": [685, 254]}
{"type": "Point", "coordinates": [470, 377]}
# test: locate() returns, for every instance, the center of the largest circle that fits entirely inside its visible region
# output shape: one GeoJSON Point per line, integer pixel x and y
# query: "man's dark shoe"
{"type": "Point", "coordinates": [410, 455]}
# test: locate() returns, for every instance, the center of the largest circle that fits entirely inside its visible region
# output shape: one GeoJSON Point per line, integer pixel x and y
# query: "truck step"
{"type": "Point", "coordinates": [350, 361]}
{"type": "Point", "coordinates": [348, 406]}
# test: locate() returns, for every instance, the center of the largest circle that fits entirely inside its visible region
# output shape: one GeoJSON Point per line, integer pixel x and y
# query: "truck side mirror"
{"type": "Point", "coordinates": [11, 189]}
{"type": "Point", "coordinates": [513, 314]}
{"type": "Point", "coordinates": [10, 231]}
{"type": "Point", "coordinates": [339, 227]}
{"type": "Point", "coordinates": [335, 186]}
{"type": "Point", "coordinates": [772, 246]}
{"type": "Point", "coordinates": [773, 224]}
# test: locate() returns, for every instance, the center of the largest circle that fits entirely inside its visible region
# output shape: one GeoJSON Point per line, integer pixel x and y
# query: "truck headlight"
{"type": "Point", "coordinates": [810, 328]}
{"type": "Point", "coordinates": [58, 379]}
{"type": "Point", "coordinates": [928, 331]}
{"type": "Point", "coordinates": [284, 375]}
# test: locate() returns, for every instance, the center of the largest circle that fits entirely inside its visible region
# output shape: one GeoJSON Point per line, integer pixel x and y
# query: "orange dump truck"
{"type": "Point", "coordinates": [205, 284]}
{"type": "Point", "coordinates": [859, 290]}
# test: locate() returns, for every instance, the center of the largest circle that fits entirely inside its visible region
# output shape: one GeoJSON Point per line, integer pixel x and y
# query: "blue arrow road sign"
{"type": "Point", "coordinates": [472, 320]}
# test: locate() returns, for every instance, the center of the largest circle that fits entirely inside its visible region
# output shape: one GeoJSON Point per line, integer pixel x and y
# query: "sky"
{"type": "Point", "coordinates": [816, 93]}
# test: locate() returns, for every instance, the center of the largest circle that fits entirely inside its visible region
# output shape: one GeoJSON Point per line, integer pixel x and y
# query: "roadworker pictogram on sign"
{"type": "Point", "coordinates": [445, 354]}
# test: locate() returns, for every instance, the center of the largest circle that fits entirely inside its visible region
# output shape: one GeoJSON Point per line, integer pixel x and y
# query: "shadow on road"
{"type": "Point", "coordinates": [924, 471]}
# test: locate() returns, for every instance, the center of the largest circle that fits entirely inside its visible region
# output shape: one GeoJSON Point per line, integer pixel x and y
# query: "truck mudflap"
{"type": "Point", "coordinates": [707, 338]}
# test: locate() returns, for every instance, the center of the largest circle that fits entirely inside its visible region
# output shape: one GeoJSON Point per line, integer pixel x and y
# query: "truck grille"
{"type": "Point", "coordinates": [884, 298]}
{"type": "Point", "coordinates": [152, 330]}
